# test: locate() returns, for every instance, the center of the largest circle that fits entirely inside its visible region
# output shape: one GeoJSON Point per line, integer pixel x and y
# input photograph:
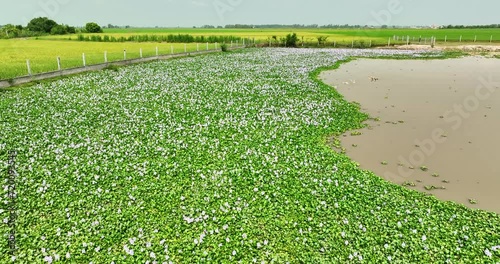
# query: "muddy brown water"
{"type": "Point", "coordinates": [435, 127]}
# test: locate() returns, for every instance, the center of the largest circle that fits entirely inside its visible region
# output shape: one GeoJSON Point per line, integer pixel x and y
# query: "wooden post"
{"type": "Point", "coordinates": [58, 63]}
{"type": "Point", "coordinates": [105, 57]}
{"type": "Point", "coordinates": [408, 40]}
{"type": "Point", "coordinates": [84, 61]}
{"type": "Point", "coordinates": [29, 67]}
{"type": "Point", "coordinates": [140, 52]}
{"type": "Point", "coordinates": [124, 54]}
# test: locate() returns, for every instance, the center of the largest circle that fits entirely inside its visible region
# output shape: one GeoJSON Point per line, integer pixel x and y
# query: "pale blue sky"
{"type": "Point", "coordinates": [188, 13]}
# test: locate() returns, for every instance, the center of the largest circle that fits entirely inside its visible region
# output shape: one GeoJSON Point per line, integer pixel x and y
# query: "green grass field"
{"type": "Point", "coordinates": [42, 52]}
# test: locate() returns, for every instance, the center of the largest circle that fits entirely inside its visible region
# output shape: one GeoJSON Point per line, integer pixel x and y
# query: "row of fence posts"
{"type": "Point", "coordinates": [84, 60]}
{"type": "Point", "coordinates": [446, 39]}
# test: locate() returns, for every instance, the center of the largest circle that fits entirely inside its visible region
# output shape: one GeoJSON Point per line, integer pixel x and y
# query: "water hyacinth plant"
{"type": "Point", "coordinates": [216, 158]}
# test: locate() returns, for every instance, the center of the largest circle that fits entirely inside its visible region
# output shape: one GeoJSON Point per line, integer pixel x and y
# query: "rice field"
{"type": "Point", "coordinates": [43, 54]}
{"type": "Point", "coordinates": [220, 159]}
{"type": "Point", "coordinates": [310, 35]}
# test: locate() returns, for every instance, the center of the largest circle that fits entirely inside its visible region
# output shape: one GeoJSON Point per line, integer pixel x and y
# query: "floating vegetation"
{"type": "Point", "coordinates": [213, 159]}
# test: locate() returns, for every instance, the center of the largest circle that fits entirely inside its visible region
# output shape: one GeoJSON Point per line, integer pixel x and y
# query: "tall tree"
{"type": "Point", "coordinates": [92, 27]}
{"type": "Point", "coordinates": [41, 24]}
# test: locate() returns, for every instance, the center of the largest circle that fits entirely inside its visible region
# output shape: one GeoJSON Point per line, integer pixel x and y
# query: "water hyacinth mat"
{"type": "Point", "coordinates": [217, 158]}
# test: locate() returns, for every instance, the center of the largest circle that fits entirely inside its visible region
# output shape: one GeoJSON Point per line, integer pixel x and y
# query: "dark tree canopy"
{"type": "Point", "coordinates": [92, 27]}
{"type": "Point", "coordinates": [41, 24]}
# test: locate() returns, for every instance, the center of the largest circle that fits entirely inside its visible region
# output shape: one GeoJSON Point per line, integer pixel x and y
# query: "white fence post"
{"type": "Point", "coordinates": [58, 63]}
{"type": "Point", "coordinates": [29, 67]}
{"type": "Point", "coordinates": [171, 49]}
{"type": "Point", "coordinates": [84, 61]}
{"type": "Point", "coordinates": [460, 38]}
{"type": "Point", "coordinates": [185, 48]}
{"type": "Point", "coordinates": [491, 38]}
{"type": "Point", "coordinates": [389, 42]}
{"type": "Point", "coordinates": [124, 54]}
{"type": "Point", "coordinates": [140, 52]}
{"type": "Point", "coordinates": [475, 38]}
{"type": "Point", "coordinates": [157, 52]}
{"type": "Point", "coordinates": [105, 57]}
{"type": "Point", "coordinates": [352, 45]}
{"type": "Point", "coordinates": [197, 46]}
{"type": "Point", "coordinates": [207, 45]}
{"type": "Point", "coordinates": [445, 39]}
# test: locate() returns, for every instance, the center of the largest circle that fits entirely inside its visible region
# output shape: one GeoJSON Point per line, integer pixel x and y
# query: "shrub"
{"type": "Point", "coordinates": [223, 47]}
{"type": "Point", "coordinates": [291, 40]}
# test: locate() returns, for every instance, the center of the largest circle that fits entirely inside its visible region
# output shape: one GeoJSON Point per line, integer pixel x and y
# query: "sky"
{"type": "Point", "coordinates": [189, 13]}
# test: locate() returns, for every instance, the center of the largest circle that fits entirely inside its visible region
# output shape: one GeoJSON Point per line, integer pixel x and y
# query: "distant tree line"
{"type": "Point", "coordinates": [472, 27]}
{"type": "Point", "coordinates": [41, 26]}
{"type": "Point", "coordinates": [248, 26]}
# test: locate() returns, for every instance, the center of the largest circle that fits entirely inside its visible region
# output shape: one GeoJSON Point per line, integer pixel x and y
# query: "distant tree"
{"type": "Point", "coordinates": [41, 24]}
{"type": "Point", "coordinates": [58, 30]}
{"type": "Point", "coordinates": [10, 31]}
{"type": "Point", "coordinates": [92, 27]}
{"type": "Point", "coordinates": [384, 26]}
{"type": "Point", "coordinates": [69, 29]}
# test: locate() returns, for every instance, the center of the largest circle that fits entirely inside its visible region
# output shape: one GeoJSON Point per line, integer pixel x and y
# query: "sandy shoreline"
{"type": "Point", "coordinates": [436, 124]}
